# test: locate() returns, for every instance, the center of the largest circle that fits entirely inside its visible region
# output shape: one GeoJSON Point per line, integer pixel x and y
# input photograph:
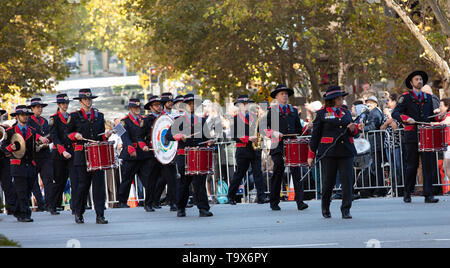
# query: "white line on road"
{"type": "Point", "coordinates": [300, 246]}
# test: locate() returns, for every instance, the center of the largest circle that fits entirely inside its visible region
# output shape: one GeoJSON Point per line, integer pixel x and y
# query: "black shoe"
{"type": "Point", "coordinates": [181, 213]}
{"type": "Point", "coordinates": [79, 219]}
{"type": "Point", "coordinates": [101, 220]}
{"type": "Point", "coordinates": [25, 219]}
{"type": "Point", "coordinates": [346, 215]}
{"type": "Point", "coordinates": [407, 199]}
{"type": "Point", "coordinates": [205, 213]}
{"type": "Point", "coordinates": [54, 212]}
{"type": "Point", "coordinates": [326, 213]}
{"type": "Point", "coordinates": [275, 207]}
{"type": "Point", "coordinates": [302, 206]}
{"type": "Point", "coordinates": [41, 209]}
{"type": "Point", "coordinates": [123, 205]}
{"type": "Point", "coordinates": [263, 200]}
{"type": "Point", "coordinates": [431, 200]}
{"type": "Point", "coordinates": [173, 208]}
{"type": "Point", "coordinates": [156, 206]}
{"type": "Point", "coordinates": [232, 202]}
{"type": "Point", "coordinates": [149, 209]}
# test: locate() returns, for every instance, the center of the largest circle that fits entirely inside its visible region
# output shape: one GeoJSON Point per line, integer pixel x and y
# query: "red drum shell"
{"type": "Point", "coordinates": [199, 161]}
{"type": "Point", "coordinates": [100, 156]}
{"type": "Point", "coordinates": [432, 138]}
{"type": "Point", "coordinates": [296, 152]}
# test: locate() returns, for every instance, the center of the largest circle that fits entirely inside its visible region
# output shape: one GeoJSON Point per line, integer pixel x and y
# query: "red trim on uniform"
{"type": "Point", "coordinates": [352, 140]}
{"type": "Point", "coordinates": [33, 162]}
{"type": "Point", "coordinates": [61, 116]}
{"type": "Point", "coordinates": [181, 152]}
{"type": "Point", "coordinates": [131, 150]}
{"type": "Point", "coordinates": [9, 148]}
{"type": "Point", "coordinates": [78, 148]}
{"type": "Point", "coordinates": [245, 139]}
{"type": "Point", "coordinates": [327, 140]}
{"type": "Point", "coordinates": [311, 154]}
{"type": "Point", "coordinates": [269, 132]}
{"type": "Point", "coordinates": [72, 136]}
{"type": "Point", "coordinates": [15, 161]}
{"type": "Point", "coordinates": [85, 115]}
{"type": "Point", "coordinates": [355, 132]}
{"type": "Point", "coordinates": [405, 118]}
{"type": "Point", "coordinates": [241, 145]}
{"type": "Point", "coordinates": [142, 145]}
{"type": "Point", "coordinates": [409, 128]}
{"type": "Point", "coordinates": [61, 149]}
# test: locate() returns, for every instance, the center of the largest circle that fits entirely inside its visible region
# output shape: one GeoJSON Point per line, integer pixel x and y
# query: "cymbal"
{"type": "Point", "coordinates": [18, 140]}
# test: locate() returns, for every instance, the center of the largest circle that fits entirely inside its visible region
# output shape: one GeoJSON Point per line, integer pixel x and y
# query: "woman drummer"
{"type": "Point", "coordinates": [332, 143]}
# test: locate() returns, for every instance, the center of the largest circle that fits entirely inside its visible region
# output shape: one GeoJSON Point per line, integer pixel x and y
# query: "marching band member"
{"type": "Point", "coordinates": [62, 153]}
{"type": "Point", "coordinates": [168, 172]}
{"type": "Point", "coordinates": [5, 176]}
{"type": "Point", "coordinates": [330, 123]}
{"type": "Point", "coordinates": [136, 153]}
{"type": "Point", "coordinates": [23, 169]}
{"type": "Point", "coordinates": [445, 120]}
{"type": "Point", "coordinates": [183, 132]}
{"type": "Point", "coordinates": [154, 105]}
{"type": "Point", "coordinates": [416, 106]}
{"type": "Point", "coordinates": [87, 123]}
{"type": "Point", "coordinates": [289, 124]}
{"type": "Point", "coordinates": [44, 163]}
{"type": "Point", "coordinates": [245, 128]}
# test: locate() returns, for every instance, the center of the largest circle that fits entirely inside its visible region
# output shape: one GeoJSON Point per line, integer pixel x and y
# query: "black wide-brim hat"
{"type": "Point", "coordinates": [334, 92]}
{"type": "Point", "coordinates": [2, 112]}
{"type": "Point", "coordinates": [36, 102]}
{"type": "Point", "coordinates": [151, 101]}
{"type": "Point", "coordinates": [134, 103]}
{"type": "Point", "coordinates": [85, 93]}
{"type": "Point", "coordinates": [411, 76]}
{"type": "Point", "coordinates": [179, 98]}
{"type": "Point", "coordinates": [166, 97]}
{"type": "Point", "coordinates": [21, 109]}
{"type": "Point", "coordinates": [243, 99]}
{"type": "Point", "coordinates": [62, 98]}
{"type": "Point", "coordinates": [190, 97]}
{"type": "Point", "coordinates": [281, 88]}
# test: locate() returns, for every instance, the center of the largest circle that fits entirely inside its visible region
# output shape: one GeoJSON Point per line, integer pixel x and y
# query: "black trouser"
{"type": "Point", "coordinates": [97, 179]}
{"type": "Point", "coordinates": [199, 183]}
{"type": "Point", "coordinates": [61, 171]}
{"type": "Point", "coordinates": [24, 186]}
{"type": "Point", "coordinates": [377, 172]}
{"type": "Point", "coordinates": [277, 179]}
{"type": "Point", "coordinates": [44, 167]}
{"type": "Point", "coordinates": [331, 166]}
{"type": "Point", "coordinates": [129, 169]}
{"type": "Point", "coordinates": [428, 169]}
{"type": "Point", "coordinates": [168, 177]}
{"type": "Point", "coordinates": [151, 180]}
{"type": "Point", "coordinates": [242, 166]}
{"type": "Point", "coordinates": [7, 184]}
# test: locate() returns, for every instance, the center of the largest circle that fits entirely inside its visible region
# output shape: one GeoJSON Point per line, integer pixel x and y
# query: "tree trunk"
{"type": "Point", "coordinates": [435, 58]}
{"type": "Point", "coordinates": [441, 17]}
{"type": "Point", "coordinates": [315, 87]}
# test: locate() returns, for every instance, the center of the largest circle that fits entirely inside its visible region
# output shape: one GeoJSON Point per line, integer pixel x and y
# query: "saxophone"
{"type": "Point", "coordinates": [257, 144]}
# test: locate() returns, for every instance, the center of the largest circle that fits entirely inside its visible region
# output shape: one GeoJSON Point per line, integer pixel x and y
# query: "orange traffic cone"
{"type": "Point", "coordinates": [132, 199]}
{"type": "Point", "coordinates": [291, 192]}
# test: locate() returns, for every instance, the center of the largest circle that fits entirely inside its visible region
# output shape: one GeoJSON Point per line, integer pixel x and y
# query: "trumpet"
{"type": "Point", "coordinates": [257, 144]}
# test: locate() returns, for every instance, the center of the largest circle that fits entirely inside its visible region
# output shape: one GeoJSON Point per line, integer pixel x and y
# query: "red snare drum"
{"type": "Point", "coordinates": [100, 156]}
{"type": "Point", "coordinates": [432, 138]}
{"type": "Point", "coordinates": [199, 161]}
{"type": "Point", "coordinates": [296, 152]}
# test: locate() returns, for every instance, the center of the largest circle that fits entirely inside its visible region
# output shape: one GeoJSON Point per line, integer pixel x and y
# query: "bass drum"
{"type": "Point", "coordinates": [164, 153]}
{"type": "Point", "coordinates": [363, 159]}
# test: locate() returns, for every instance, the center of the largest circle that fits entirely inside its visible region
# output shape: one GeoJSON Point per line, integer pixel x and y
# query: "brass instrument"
{"type": "Point", "coordinates": [257, 144]}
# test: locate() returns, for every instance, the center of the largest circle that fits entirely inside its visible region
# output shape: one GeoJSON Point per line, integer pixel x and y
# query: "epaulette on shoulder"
{"type": "Point", "coordinates": [406, 93]}
{"type": "Point", "coordinates": [10, 128]}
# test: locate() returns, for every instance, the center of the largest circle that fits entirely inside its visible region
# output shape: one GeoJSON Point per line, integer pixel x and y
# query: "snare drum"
{"type": "Point", "coordinates": [100, 156]}
{"type": "Point", "coordinates": [296, 152]}
{"type": "Point", "coordinates": [432, 138]}
{"type": "Point", "coordinates": [199, 161]}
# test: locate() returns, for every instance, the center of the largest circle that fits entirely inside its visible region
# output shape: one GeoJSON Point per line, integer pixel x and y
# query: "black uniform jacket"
{"type": "Point", "coordinates": [134, 139]}
{"type": "Point", "coordinates": [89, 128]}
{"type": "Point", "coordinates": [61, 143]}
{"type": "Point", "coordinates": [327, 127]}
{"type": "Point", "coordinates": [243, 128]}
{"type": "Point", "coordinates": [19, 167]}
{"type": "Point", "coordinates": [42, 128]}
{"type": "Point", "coordinates": [410, 106]}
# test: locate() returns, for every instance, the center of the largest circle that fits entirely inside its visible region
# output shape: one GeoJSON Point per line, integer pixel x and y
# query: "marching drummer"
{"type": "Point", "coordinates": [136, 153]}
{"type": "Point", "coordinates": [189, 131]}
{"type": "Point", "coordinates": [289, 125]}
{"type": "Point", "coordinates": [245, 127]}
{"type": "Point", "coordinates": [332, 140]}
{"type": "Point", "coordinates": [21, 151]}
{"type": "Point", "coordinates": [416, 106]}
{"type": "Point", "coordinates": [61, 154]}
{"type": "Point", "coordinates": [169, 171]}
{"type": "Point", "coordinates": [84, 125]}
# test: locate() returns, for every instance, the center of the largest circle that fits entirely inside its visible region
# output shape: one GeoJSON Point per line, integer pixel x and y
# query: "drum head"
{"type": "Point", "coordinates": [164, 153]}
{"type": "Point", "coordinates": [362, 146]}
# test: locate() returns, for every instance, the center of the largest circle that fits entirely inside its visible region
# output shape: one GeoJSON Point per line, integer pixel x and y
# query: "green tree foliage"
{"type": "Point", "coordinates": [36, 37]}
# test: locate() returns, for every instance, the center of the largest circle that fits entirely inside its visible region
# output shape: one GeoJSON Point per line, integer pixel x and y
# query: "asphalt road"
{"type": "Point", "coordinates": [384, 222]}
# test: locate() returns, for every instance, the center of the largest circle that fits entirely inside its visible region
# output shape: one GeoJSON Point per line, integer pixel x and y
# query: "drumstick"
{"type": "Point", "coordinates": [88, 140]}
{"type": "Point", "coordinates": [424, 123]}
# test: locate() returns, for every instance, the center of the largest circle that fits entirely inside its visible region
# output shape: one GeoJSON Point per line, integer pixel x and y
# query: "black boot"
{"type": "Point", "coordinates": [173, 207]}
{"type": "Point", "coordinates": [79, 219]}
{"type": "Point", "coordinates": [302, 206]}
{"type": "Point", "coordinates": [407, 199]}
{"type": "Point", "coordinates": [431, 200]}
{"type": "Point", "coordinates": [53, 211]}
{"type": "Point", "coordinates": [205, 213]}
{"type": "Point", "coordinates": [346, 214]}
{"type": "Point", "coordinates": [181, 212]}
{"type": "Point", "coordinates": [149, 209]}
{"type": "Point", "coordinates": [101, 220]}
